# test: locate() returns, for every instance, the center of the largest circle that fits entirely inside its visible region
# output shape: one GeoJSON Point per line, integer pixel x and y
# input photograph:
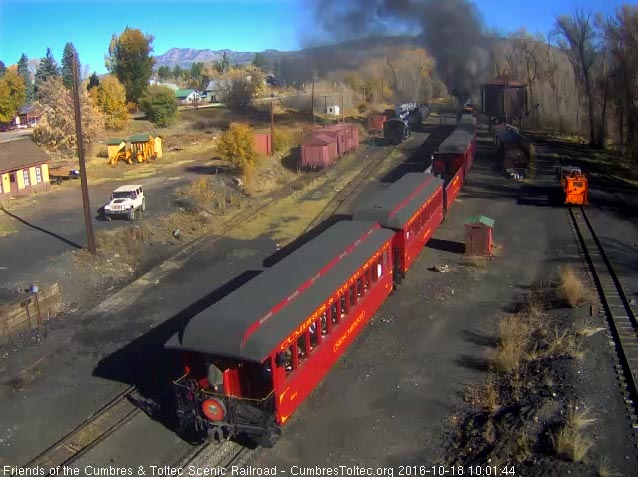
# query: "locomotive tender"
{"type": "Point", "coordinates": [253, 357]}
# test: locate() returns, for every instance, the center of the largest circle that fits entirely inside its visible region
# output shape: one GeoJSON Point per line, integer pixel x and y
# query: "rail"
{"type": "Point", "coordinates": [620, 316]}
{"type": "Point", "coordinates": [90, 433]}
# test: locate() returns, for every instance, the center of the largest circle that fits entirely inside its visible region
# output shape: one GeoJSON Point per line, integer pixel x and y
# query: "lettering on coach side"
{"type": "Point", "coordinates": [349, 331]}
{"type": "Point", "coordinates": [322, 309]}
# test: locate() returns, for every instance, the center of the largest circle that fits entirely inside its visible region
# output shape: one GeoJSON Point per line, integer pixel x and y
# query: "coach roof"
{"type": "Point", "coordinates": [396, 205]}
{"type": "Point", "coordinates": [249, 322]}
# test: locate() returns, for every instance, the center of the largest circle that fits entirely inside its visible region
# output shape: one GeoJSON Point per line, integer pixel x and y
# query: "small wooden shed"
{"type": "Point", "coordinates": [478, 236]}
{"type": "Point", "coordinates": [114, 147]}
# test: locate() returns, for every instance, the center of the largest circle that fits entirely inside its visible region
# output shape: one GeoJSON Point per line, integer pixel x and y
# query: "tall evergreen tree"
{"type": "Point", "coordinates": [23, 71]}
{"type": "Point", "coordinates": [67, 65]}
{"type": "Point", "coordinates": [47, 68]}
{"type": "Point", "coordinates": [3, 68]}
{"type": "Point", "coordinates": [94, 81]}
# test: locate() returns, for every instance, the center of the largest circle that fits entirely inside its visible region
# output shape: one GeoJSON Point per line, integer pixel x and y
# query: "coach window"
{"type": "Point", "coordinates": [366, 279]}
{"type": "Point", "coordinates": [335, 312]}
{"type": "Point", "coordinates": [344, 305]}
{"type": "Point", "coordinates": [374, 271]}
{"type": "Point", "coordinates": [302, 349]}
{"type": "Point", "coordinates": [353, 295]}
{"type": "Point", "coordinates": [323, 322]}
{"type": "Point", "coordinates": [288, 362]}
{"type": "Point", "coordinates": [315, 335]}
{"type": "Point", "coordinates": [379, 267]}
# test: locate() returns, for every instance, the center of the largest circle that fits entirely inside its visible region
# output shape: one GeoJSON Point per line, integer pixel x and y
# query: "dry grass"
{"type": "Point", "coordinates": [514, 337]}
{"type": "Point", "coordinates": [573, 290]}
{"type": "Point", "coordinates": [570, 442]}
{"type": "Point", "coordinates": [583, 328]}
{"type": "Point", "coordinates": [484, 396]}
{"type": "Point", "coordinates": [564, 343]}
{"type": "Point", "coordinates": [605, 469]}
{"type": "Point", "coordinates": [6, 227]}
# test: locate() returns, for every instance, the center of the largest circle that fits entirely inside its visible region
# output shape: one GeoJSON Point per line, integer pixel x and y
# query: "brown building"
{"type": "Point", "coordinates": [24, 168]}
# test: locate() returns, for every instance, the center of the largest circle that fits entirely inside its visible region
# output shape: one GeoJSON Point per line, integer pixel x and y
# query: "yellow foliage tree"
{"type": "Point", "coordinates": [56, 127]}
{"type": "Point", "coordinates": [237, 146]}
{"type": "Point", "coordinates": [110, 97]}
{"type": "Point", "coordinates": [241, 85]}
{"type": "Point", "coordinates": [12, 95]}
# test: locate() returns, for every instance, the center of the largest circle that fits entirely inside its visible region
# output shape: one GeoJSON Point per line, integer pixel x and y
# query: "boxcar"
{"type": "Point", "coordinates": [253, 357]}
{"type": "Point", "coordinates": [413, 208]}
{"type": "Point", "coordinates": [318, 151]}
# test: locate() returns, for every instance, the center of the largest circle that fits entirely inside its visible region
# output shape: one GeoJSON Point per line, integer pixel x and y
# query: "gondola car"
{"type": "Point", "coordinates": [413, 208]}
{"type": "Point", "coordinates": [253, 357]}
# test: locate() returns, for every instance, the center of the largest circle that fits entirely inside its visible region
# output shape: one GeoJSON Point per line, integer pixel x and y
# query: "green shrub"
{"type": "Point", "coordinates": [160, 105]}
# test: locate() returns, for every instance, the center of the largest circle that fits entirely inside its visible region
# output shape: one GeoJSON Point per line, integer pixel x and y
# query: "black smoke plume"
{"type": "Point", "coordinates": [451, 31]}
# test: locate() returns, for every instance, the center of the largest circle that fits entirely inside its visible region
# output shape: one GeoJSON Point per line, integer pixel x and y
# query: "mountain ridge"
{"type": "Point", "coordinates": [185, 57]}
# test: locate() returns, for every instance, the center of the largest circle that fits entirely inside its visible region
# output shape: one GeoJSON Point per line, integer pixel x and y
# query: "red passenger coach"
{"type": "Point", "coordinates": [253, 357]}
{"type": "Point", "coordinates": [412, 206]}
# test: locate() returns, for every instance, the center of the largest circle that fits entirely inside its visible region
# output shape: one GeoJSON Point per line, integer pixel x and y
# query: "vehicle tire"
{"type": "Point", "coordinates": [131, 214]}
{"type": "Point", "coordinates": [143, 208]}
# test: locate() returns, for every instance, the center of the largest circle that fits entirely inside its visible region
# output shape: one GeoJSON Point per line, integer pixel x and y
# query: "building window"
{"type": "Point", "coordinates": [38, 175]}
{"type": "Point", "coordinates": [25, 175]}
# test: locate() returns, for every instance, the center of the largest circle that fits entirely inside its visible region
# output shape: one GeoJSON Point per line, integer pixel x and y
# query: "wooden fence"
{"type": "Point", "coordinates": [29, 312]}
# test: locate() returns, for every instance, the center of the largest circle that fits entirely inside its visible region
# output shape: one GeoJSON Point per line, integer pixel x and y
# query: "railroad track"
{"type": "Point", "coordinates": [345, 196]}
{"type": "Point", "coordinates": [620, 316]}
{"type": "Point", "coordinates": [220, 455]}
{"type": "Point", "coordinates": [90, 433]}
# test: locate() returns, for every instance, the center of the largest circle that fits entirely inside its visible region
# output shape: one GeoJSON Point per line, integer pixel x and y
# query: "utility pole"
{"type": "Point", "coordinates": [78, 132]}
{"type": "Point", "coordinates": [312, 107]}
{"type": "Point", "coordinates": [272, 126]}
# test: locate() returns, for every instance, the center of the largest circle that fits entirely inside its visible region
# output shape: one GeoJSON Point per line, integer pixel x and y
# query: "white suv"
{"type": "Point", "coordinates": [125, 200]}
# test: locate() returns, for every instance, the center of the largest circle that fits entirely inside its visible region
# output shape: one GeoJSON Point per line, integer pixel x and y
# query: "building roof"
{"type": "Point", "coordinates": [480, 219]}
{"type": "Point", "coordinates": [396, 205]}
{"type": "Point", "coordinates": [115, 141]}
{"type": "Point", "coordinates": [183, 93]}
{"type": "Point", "coordinates": [252, 321]}
{"type": "Point", "coordinates": [28, 109]}
{"type": "Point", "coordinates": [215, 85]}
{"type": "Point", "coordinates": [19, 153]}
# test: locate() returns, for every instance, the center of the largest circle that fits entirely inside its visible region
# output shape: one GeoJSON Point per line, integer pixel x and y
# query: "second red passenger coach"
{"type": "Point", "coordinates": [412, 206]}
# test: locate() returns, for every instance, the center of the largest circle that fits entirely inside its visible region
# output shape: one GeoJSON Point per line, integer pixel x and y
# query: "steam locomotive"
{"type": "Point", "coordinates": [407, 117]}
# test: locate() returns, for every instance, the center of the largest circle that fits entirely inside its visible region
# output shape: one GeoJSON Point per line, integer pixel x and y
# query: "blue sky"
{"type": "Point", "coordinates": [30, 26]}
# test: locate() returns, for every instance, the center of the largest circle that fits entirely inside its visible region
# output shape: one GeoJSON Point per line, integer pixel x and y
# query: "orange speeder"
{"type": "Point", "coordinates": [575, 186]}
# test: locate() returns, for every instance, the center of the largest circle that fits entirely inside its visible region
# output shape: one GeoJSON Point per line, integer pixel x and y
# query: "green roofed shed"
{"type": "Point", "coordinates": [478, 236]}
{"type": "Point", "coordinates": [115, 142]}
{"type": "Point", "coordinates": [480, 219]}
{"type": "Point", "coordinates": [139, 138]}
{"type": "Point", "coordinates": [183, 93]}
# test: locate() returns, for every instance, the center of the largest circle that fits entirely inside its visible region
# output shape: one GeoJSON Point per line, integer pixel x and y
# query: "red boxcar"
{"type": "Point", "coordinates": [254, 356]}
{"type": "Point", "coordinates": [375, 122]}
{"type": "Point", "coordinates": [413, 207]}
{"type": "Point", "coordinates": [346, 135]}
{"type": "Point", "coordinates": [318, 151]}
{"type": "Point", "coordinates": [263, 144]}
